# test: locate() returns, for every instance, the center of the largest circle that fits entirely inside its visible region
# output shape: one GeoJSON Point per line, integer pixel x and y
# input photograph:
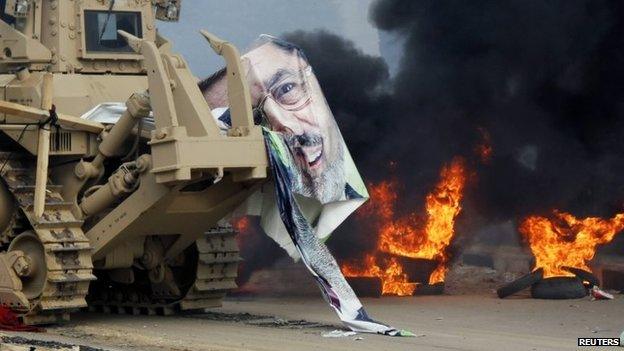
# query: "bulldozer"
{"type": "Point", "coordinates": [120, 212]}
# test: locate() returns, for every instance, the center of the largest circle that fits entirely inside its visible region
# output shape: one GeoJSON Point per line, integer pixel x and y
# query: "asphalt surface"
{"type": "Point", "coordinates": [478, 322]}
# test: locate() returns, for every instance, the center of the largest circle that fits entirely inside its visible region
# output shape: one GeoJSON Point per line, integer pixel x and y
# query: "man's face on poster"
{"type": "Point", "coordinates": [283, 85]}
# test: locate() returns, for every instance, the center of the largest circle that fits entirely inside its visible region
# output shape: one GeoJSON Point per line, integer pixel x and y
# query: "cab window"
{"type": "Point", "coordinates": [101, 30]}
{"type": "Point", "coordinates": [3, 16]}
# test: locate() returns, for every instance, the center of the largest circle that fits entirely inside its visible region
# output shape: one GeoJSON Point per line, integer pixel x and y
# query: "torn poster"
{"type": "Point", "coordinates": [314, 253]}
{"type": "Point", "coordinates": [314, 176]}
{"type": "Point", "coordinates": [287, 99]}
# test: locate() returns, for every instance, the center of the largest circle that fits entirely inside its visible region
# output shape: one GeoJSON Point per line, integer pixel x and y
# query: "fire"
{"type": "Point", "coordinates": [244, 239]}
{"type": "Point", "coordinates": [443, 204]}
{"type": "Point", "coordinates": [407, 236]}
{"type": "Point", "coordinates": [241, 224]}
{"type": "Point", "coordinates": [484, 149]}
{"type": "Point", "coordinates": [394, 280]}
{"type": "Point", "coordinates": [564, 240]}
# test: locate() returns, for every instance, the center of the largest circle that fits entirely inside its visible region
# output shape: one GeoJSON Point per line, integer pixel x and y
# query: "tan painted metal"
{"type": "Point", "coordinates": [10, 284]}
{"type": "Point", "coordinates": [57, 272]}
{"type": "Point", "coordinates": [237, 87]}
{"type": "Point", "coordinates": [38, 115]}
{"type": "Point", "coordinates": [43, 149]}
{"type": "Point", "coordinates": [124, 197]}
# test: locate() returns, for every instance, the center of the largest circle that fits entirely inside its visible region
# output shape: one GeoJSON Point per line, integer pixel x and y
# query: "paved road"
{"type": "Point", "coordinates": [441, 323]}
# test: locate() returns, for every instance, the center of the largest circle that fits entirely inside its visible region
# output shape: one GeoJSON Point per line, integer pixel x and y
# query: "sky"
{"type": "Point", "coordinates": [242, 21]}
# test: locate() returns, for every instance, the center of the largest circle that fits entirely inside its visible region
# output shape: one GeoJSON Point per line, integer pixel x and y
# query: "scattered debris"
{"type": "Point", "coordinates": [262, 320]}
{"type": "Point", "coordinates": [599, 294]}
{"type": "Point", "coordinates": [338, 334]}
{"type": "Point", "coordinates": [10, 321]}
{"type": "Point", "coordinates": [286, 324]}
{"type": "Point", "coordinates": [597, 330]}
{"type": "Point", "coordinates": [34, 344]}
{"type": "Point", "coordinates": [582, 284]}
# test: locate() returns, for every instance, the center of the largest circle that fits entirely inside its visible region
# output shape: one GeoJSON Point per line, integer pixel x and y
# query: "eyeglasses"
{"type": "Point", "coordinates": [290, 91]}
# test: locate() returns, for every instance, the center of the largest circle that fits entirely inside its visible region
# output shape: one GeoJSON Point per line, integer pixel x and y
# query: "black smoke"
{"type": "Point", "coordinates": [544, 78]}
{"type": "Point", "coordinates": [357, 89]}
{"type": "Point", "coordinates": [355, 86]}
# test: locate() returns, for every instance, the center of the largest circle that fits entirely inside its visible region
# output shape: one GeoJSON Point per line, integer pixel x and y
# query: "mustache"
{"type": "Point", "coordinates": [305, 139]}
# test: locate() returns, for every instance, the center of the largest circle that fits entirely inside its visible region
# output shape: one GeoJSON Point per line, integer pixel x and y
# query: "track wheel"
{"type": "Point", "coordinates": [33, 272]}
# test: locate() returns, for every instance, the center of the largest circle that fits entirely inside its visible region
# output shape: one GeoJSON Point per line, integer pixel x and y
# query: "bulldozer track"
{"type": "Point", "coordinates": [9, 233]}
{"type": "Point", "coordinates": [70, 269]}
{"type": "Point", "coordinates": [66, 248]}
{"type": "Point", "coordinates": [216, 268]}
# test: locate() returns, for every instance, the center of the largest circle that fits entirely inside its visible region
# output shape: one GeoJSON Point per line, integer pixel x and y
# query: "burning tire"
{"type": "Point", "coordinates": [418, 269]}
{"type": "Point", "coordinates": [366, 286]}
{"type": "Point", "coordinates": [558, 288]}
{"type": "Point", "coordinates": [429, 289]}
{"type": "Point", "coordinates": [521, 283]}
{"type": "Point", "coordinates": [584, 275]}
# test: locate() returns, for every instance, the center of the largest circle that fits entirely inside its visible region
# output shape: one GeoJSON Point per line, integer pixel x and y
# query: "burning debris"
{"type": "Point", "coordinates": [563, 245]}
{"type": "Point", "coordinates": [403, 238]}
{"type": "Point", "coordinates": [564, 240]}
{"type": "Point", "coordinates": [388, 270]}
{"type": "Point", "coordinates": [558, 288]}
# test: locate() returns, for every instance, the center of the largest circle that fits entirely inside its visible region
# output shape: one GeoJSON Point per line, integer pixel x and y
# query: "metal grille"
{"type": "Point", "coordinates": [60, 141]}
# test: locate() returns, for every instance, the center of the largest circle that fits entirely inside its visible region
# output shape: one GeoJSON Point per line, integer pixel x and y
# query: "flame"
{"type": "Point", "coordinates": [394, 280]}
{"type": "Point", "coordinates": [241, 224]}
{"type": "Point", "coordinates": [244, 238]}
{"type": "Point", "coordinates": [443, 204]}
{"type": "Point", "coordinates": [406, 236]}
{"type": "Point", "coordinates": [484, 148]}
{"type": "Point", "coordinates": [564, 240]}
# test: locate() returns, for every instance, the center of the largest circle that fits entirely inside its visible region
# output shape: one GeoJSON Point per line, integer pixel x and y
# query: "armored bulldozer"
{"type": "Point", "coordinates": [107, 204]}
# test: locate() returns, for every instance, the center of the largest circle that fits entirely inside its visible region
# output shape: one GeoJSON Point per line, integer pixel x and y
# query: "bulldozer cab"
{"type": "Point", "coordinates": [111, 191]}
{"type": "Point", "coordinates": [79, 36]}
{"type": "Point", "coordinates": [100, 34]}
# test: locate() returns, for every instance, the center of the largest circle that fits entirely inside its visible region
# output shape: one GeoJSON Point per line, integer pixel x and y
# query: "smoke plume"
{"type": "Point", "coordinates": [543, 78]}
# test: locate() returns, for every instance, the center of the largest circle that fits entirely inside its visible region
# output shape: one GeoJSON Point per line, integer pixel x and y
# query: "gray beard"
{"type": "Point", "coordinates": [329, 186]}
